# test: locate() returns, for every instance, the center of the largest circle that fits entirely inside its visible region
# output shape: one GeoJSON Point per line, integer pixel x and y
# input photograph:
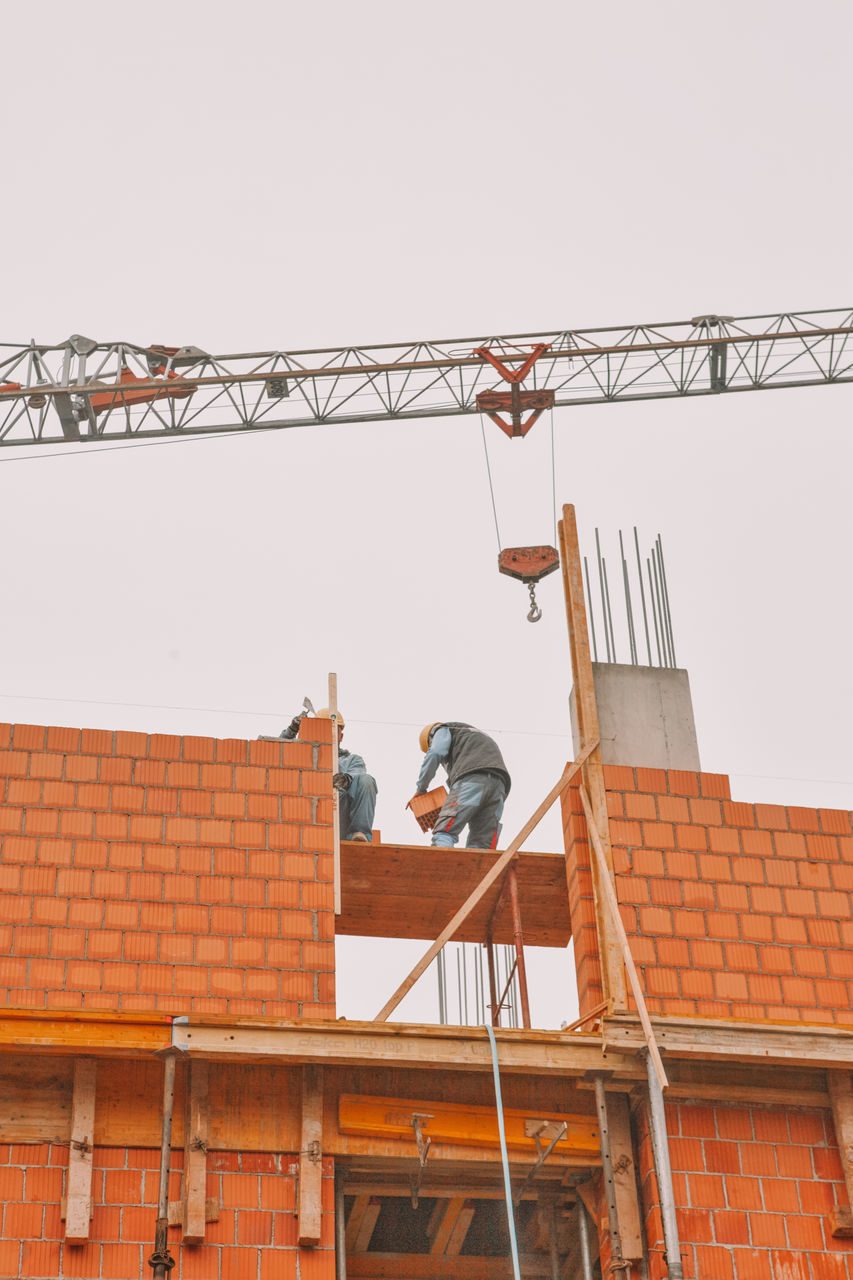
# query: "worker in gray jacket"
{"type": "Point", "coordinates": [477, 778]}
{"type": "Point", "coordinates": [356, 788]}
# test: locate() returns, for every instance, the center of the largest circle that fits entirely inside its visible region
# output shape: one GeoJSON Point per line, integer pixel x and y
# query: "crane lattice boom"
{"type": "Point", "coordinates": [82, 390]}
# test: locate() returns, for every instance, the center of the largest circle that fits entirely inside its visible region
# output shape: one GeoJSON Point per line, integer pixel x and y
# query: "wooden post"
{"type": "Point", "coordinates": [841, 1097]}
{"type": "Point", "coordinates": [618, 929]}
{"type": "Point", "coordinates": [336, 807]}
{"type": "Point", "coordinates": [197, 1136]}
{"type": "Point", "coordinates": [78, 1189]}
{"type": "Point", "coordinates": [310, 1206]}
{"type": "Point", "coordinates": [612, 972]}
{"type": "Point", "coordinates": [625, 1176]}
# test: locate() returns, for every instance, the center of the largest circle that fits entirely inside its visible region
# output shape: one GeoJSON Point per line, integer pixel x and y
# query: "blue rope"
{"type": "Point", "coordinates": [504, 1158]}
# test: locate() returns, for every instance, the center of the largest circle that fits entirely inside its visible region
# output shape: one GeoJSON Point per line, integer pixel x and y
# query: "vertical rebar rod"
{"type": "Point", "coordinates": [518, 940]}
{"type": "Point", "coordinates": [663, 636]}
{"type": "Point", "coordinates": [663, 1172]}
{"type": "Point", "coordinates": [340, 1228]}
{"type": "Point", "coordinates": [642, 595]}
{"type": "Point", "coordinates": [465, 982]}
{"type": "Point", "coordinates": [442, 995]}
{"type": "Point", "coordinates": [666, 597]}
{"type": "Point", "coordinates": [591, 612]}
{"type": "Point", "coordinates": [654, 614]}
{"type": "Point", "coordinates": [583, 1240]}
{"type": "Point", "coordinates": [665, 603]}
{"type": "Point", "coordinates": [459, 985]}
{"type": "Point", "coordinates": [161, 1261]}
{"type": "Point", "coordinates": [493, 987]}
{"type": "Point", "coordinates": [609, 610]}
{"type": "Point", "coordinates": [603, 602]}
{"type": "Point", "coordinates": [616, 1259]}
{"type": "Point", "coordinates": [629, 608]}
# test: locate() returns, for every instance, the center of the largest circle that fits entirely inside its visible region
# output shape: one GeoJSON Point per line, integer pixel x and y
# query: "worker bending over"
{"type": "Point", "coordinates": [477, 778]}
{"type": "Point", "coordinates": [356, 788]}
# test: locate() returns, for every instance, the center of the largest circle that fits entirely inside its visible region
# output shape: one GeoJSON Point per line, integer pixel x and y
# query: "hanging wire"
{"type": "Point", "coordinates": [491, 486]}
{"type": "Point", "coordinates": [553, 478]}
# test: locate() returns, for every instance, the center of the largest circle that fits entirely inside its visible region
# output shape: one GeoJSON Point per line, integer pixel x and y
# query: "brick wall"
{"type": "Point", "coordinates": [166, 873]}
{"type": "Point", "coordinates": [753, 1190]}
{"type": "Point", "coordinates": [732, 910]}
{"type": "Point", "coordinates": [254, 1239]}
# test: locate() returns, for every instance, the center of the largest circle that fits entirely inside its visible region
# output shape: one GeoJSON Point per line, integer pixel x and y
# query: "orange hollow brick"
{"type": "Point", "coordinates": [115, 769]}
{"type": "Point", "coordinates": [250, 892]}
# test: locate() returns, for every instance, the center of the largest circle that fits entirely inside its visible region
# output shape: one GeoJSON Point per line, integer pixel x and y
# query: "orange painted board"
{"type": "Point", "coordinates": [460, 1123]}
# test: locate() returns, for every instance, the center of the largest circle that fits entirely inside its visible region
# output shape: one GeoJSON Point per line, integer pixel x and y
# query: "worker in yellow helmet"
{"type": "Point", "coordinates": [477, 778]}
{"type": "Point", "coordinates": [356, 787]}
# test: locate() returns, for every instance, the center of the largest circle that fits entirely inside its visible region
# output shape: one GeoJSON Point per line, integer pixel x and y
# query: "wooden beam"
{"type": "Point", "coordinates": [624, 1176]}
{"type": "Point", "coordinates": [355, 1217]}
{"type": "Point", "coordinates": [485, 884]}
{"type": "Point", "coordinates": [366, 1223]}
{"type": "Point", "coordinates": [336, 804]}
{"type": "Point", "coordinates": [618, 929]}
{"type": "Point", "coordinates": [434, 1048]}
{"type": "Point", "coordinates": [196, 1140]}
{"type": "Point", "coordinates": [456, 1239]}
{"type": "Point", "coordinates": [448, 1216]}
{"type": "Point", "coordinates": [78, 1188]}
{"type": "Point", "coordinates": [586, 709]}
{"type": "Point", "coordinates": [840, 1085]}
{"type": "Point", "coordinates": [426, 1266]}
{"type": "Point", "coordinates": [721, 1041]}
{"type": "Point", "coordinates": [112, 1034]}
{"type": "Point", "coordinates": [310, 1206]}
{"type": "Point", "coordinates": [469, 1124]}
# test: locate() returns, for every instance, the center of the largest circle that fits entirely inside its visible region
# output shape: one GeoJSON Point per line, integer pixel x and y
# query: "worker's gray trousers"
{"type": "Point", "coordinates": [357, 806]}
{"type": "Point", "coordinates": [478, 800]}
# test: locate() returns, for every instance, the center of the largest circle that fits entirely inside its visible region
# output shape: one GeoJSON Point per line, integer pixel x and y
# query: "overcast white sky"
{"type": "Point", "coordinates": [261, 176]}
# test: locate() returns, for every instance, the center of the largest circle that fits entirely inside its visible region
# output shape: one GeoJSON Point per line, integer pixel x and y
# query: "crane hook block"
{"type": "Point", "coordinates": [528, 564]}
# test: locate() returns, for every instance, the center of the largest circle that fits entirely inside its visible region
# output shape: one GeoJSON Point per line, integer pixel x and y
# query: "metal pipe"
{"type": "Point", "coordinates": [493, 986]}
{"type": "Point", "coordinates": [340, 1227]}
{"type": "Point", "coordinates": [552, 1240]}
{"type": "Point", "coordinates": [518, 940]}
{"type": "Point", "coordinates": [442, 999]}
{"type": "Point", "coordinates": [642, 595]}
{"type": "Point", "coordinates": [499, 1106]}
{"type": "Point", "coordinates": [591, 614]}
{"type": "Point", "coordinates": [583, 1240]}
{"type": "Point", "coordinates": [663, 1173]}
{"type": "Point", "coordinates": [161, 1261]}
{"type": "Point", "coordinates": [616, 1258]}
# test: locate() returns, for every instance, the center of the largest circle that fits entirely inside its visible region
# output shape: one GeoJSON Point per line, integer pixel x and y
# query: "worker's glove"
{"type": "Point", "coordinates": [342, 781]}
{"type": "Point", "coordinates": [293, 727]}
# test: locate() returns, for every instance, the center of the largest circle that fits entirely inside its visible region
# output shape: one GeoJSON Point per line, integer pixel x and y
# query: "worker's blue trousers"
{"type": "Point", "coordinates": [477, 800]}
{"type": "Point", "coordinates": [357, 806]}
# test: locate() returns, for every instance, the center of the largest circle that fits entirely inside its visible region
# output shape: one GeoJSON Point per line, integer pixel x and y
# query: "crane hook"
{"type": "Point", "coordinates": [535, 612]}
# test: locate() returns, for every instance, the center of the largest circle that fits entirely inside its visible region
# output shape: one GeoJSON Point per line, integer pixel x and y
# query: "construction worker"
{"type": "Point", "coordinates": [478, 782]}
{"type": "Point", "coordinates": [356, 788]}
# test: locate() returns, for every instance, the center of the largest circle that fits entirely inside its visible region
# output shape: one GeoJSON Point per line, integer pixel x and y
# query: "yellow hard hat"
{"type": "Point", "coordinates": [423, 737]}
{"type": "Point", "coordinates": [325, 714]}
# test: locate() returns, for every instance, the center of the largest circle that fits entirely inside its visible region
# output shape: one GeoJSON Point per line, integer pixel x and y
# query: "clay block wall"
{"type": "Point", "coordinates": [166, 873]}
{"type": "Point", "coordinates": [753, 1190]}
{"type": "Point", "coordinates": [254, 1239]}
{"type": "Point", "coordinates": [732, 910]}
